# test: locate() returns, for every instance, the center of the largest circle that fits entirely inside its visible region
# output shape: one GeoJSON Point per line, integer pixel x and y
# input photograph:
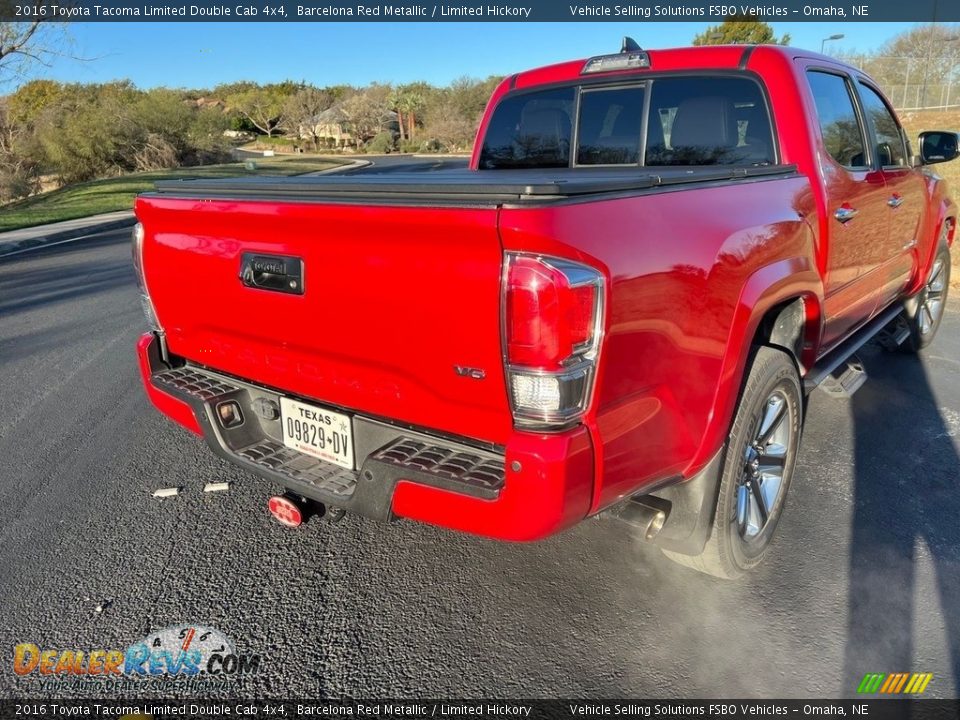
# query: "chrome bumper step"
{"type": "Point", "coordinates": [385, 454]}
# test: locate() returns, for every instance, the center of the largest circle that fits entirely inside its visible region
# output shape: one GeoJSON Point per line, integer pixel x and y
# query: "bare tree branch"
{"type": "Point", "coordinates": [24, 44]}
{"type": "Point", "coordinates": [14, 37]}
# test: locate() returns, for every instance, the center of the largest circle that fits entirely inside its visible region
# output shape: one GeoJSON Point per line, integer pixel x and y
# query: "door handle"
{"type": "Point", "coordinates": [895, 201]}
{"type": "Point", "coordinates": [845, 214]}
{"type": "Point", "coordinates": [279, 273]}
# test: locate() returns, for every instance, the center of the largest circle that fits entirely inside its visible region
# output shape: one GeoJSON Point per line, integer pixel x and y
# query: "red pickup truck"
{"type": "Point", "coordinates": [619, 308]}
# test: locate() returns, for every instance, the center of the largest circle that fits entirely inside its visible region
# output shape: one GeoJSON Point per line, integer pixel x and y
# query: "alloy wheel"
{"type": "Point", "coordinates": [764, 464]}
{"type": "Point", "coordinates": [931, 304]}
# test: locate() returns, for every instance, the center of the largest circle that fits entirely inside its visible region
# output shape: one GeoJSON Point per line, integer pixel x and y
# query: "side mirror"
{"type": "Point", "coordinates": [937, 146]}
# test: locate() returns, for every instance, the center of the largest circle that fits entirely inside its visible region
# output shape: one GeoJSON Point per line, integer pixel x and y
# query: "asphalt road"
{"type": "Point", "coordinates": [386, 163]}
{"type": "Point", "coordinates": [865, 576]}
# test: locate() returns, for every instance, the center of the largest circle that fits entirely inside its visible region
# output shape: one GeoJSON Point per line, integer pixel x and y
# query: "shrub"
{"type": "Point", "coordinates": [433, 145]}
{"type": "Point", "coordinates": [17, 183]}
{"type": "Point", "coordinates": [383, 142]}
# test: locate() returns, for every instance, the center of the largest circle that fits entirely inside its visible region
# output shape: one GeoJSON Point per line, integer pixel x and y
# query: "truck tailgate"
{"type": "Point", "coordinates": [395, 300]}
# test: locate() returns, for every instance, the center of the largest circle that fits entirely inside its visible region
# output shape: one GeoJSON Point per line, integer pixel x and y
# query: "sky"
{"type": "Point", "coordinates": [202, 55]}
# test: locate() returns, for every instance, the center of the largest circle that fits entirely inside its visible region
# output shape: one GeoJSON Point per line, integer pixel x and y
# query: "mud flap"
{"type": "Point", "coordinates": [692, 506]}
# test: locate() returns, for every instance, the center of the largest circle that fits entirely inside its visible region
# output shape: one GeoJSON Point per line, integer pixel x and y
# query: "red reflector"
{"type": "Point", "coordinates": [581, 313]}
{"type": "Point", "coordinates": [285, 511]}
{"type": "Point", "coordinates": [546, 318]}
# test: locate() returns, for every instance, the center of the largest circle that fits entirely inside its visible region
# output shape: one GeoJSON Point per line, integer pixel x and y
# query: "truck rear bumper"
{"type": "Point", "coordinates": [536, 485]}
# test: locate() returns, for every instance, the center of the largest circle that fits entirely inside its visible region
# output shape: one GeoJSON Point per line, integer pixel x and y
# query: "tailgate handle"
{"type": "Point", "coordinates": [280, 273]}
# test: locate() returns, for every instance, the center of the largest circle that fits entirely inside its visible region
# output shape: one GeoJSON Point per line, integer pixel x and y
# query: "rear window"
{"type": "Point", "coordinates": [609, 127]}
{"type": "Point", "coordinates": [531, 131]}
{"type": "Point", "coordinates": [708, 121]}
{"type": "Point", "coordinates": [689, 121]}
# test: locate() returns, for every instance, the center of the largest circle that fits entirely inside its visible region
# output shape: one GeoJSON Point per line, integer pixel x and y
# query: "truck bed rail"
{"type": "Point", "coordinates": [473, 186]}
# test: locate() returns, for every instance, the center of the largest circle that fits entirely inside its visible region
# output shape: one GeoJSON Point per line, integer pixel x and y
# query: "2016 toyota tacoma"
{"type": "Point", "coordinates": [619, 307]}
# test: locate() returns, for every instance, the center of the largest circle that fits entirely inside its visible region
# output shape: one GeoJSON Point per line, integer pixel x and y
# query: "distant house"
{"type": "Point", "coordinates": [333, 128]}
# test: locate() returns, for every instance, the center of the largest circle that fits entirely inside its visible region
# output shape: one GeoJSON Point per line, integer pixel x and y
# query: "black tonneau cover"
{"type": "Point", "coordinates": [470, 186]}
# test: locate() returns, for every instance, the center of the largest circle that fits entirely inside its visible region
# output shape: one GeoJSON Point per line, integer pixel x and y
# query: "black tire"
{"type": "Point", "coordinates": [924, 311]}
{"type": "Point", "coordinates": [735, 544]}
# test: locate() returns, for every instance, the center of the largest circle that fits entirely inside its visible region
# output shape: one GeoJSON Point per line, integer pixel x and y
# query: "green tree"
{"type": "Point", "coordinates": [19, 162]}
{"type": "Point", "coordinates": [205, 137]}
{"type": "Point", "coordinates": [397, 103]}
{"type": "Point", "coordinates": [338, 92]}
{"type": "Point", "coordinates": [225, 90]}
{"type": "Point", "coordinates": [262, 105]}
{"type": "Point", "coordinates": [89, 132]}
{"type": "Point", "coordinates": [740, 30]}
{"type": "Point", "coordinates": [164, 112]}
{"type": "Point", "coordinates": [32, 98]}
{"type": "Point", "coordinates": [409, 103]}
{"type": "Point", "coordinates": [469, 96]}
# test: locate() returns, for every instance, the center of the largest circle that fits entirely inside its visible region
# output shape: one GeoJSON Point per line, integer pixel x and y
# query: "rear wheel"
{"type": "Point", "coordinates": [924, 311]}
{"type": "Point", "coordinates": [760, 456]}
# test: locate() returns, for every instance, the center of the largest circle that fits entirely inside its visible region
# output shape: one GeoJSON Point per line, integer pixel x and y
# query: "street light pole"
{"type": "Point", "coordinates": [823, 42]}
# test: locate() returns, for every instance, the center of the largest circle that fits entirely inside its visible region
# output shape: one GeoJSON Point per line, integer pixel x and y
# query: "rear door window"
{"type": "Point", "coordinates": [608, 132]}
{"type": "Point", "coordinates": [708, 121]}
{"type": "Point", "coordinates": [890, 145]}
{"type": "Point", "coordinates": [840, 127]}
{"type": "Point", "coordinates": [531, 130]}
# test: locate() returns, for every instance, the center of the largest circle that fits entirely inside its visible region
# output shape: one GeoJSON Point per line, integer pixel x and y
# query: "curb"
{"type": "Point", "coordinates": [13, 247]}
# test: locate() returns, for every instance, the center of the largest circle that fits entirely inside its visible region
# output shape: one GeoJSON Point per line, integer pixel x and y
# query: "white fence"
{"type": "Point", "coordinates": [912, 83]}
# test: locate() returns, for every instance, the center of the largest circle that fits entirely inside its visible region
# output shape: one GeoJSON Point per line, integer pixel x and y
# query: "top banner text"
{"type": "Point", "coordinates": [474, 11]}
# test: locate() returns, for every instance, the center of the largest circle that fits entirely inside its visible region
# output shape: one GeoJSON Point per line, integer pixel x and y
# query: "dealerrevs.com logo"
{"type": "Point", "coordinates": [177, 653]}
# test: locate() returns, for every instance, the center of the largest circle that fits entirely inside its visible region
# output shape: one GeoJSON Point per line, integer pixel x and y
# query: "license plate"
{"type": "Point", "coordinates": [315, 431]}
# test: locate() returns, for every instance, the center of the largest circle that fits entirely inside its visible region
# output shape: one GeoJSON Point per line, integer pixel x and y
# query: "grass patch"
{"type": "Point", "coordinates": [916, 121]}
{"type": "Point", "coordinates": [112, 194]}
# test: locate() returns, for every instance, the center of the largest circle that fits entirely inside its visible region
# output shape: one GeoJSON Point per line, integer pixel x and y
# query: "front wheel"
{"type": "Point", "coordinates": [924, 311]}
{"type": "Point", "coordinates": [760, 456]}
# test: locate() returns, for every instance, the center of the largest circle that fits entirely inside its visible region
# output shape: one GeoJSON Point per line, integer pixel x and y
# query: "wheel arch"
{"type": "Point", "coordinates": [780, 305]}
{"type": "Point", "coordinates": [942, 214]}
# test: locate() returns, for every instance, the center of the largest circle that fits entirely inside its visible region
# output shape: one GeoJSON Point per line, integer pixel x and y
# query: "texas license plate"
{"type": "Point", "coordinates": [315, 431]}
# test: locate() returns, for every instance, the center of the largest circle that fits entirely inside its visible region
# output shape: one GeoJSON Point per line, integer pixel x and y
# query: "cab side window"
{"type": "Point", "coordinates": [839, 125]}
{"type": "Point", "coordinates": [890, 145]}
{"type": "Point", "coordinates": [530, 130]}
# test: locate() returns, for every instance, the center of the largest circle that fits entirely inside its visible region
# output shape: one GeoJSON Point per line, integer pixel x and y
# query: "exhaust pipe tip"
{"type": "Point", "coordinates": [656, 525]}
{"type": "Point", "coordinates": [646, 514]}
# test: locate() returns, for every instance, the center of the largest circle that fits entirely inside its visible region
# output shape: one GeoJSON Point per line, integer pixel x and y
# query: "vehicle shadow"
{"type": "Point", "coordinates": [65, 249]}
{"type": "Point", "coordinates": [905, 527]}
{"type": "Point", "coordinates": [26, 290]}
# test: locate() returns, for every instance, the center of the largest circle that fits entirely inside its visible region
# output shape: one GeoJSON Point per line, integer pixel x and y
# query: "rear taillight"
{"type": "Point", "coordinates": [136, 250]}
{"type": "Point", "coordinates": [553, 320]}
